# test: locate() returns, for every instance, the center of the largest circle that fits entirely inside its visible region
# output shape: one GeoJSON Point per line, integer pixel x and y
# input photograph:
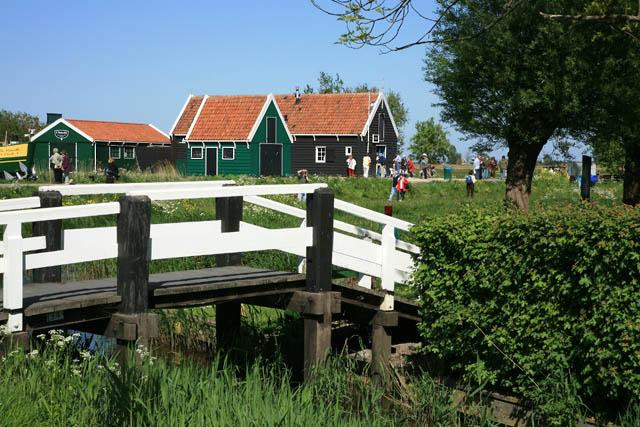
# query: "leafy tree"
{"type": "Point", "coordinates": [330, 84]}
{"type": "Point", "coordinates": [431, 138]}
{"type": "Point", "coordinates": [509, 86]}
{"type": "Point", "coordinates": [15, 125]}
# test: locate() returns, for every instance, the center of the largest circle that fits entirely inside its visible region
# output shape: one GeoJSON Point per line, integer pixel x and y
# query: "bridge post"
{"type": "Point", "coordinates": [132, 323]}
{"type": "Point", "coordinates": [229, 212]}
{"type": "Point", "coordinates": [386, 318]}
{"type": "Point", "coordinates": [317, 328]}
{"type": "Point", "coordinates": [52, 230]}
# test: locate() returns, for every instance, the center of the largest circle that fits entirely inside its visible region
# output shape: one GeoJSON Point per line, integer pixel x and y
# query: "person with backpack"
{"type": "Point", "coordinates": [471, 183]}
{"type": "Point", "coordinates": [401, 186]}
{"type": "Point", "coordinates": [111, 171]}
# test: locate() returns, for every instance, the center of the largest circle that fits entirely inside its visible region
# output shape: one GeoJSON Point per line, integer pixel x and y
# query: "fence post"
{"type": "Point", "coordinates": [132, 323]}
{"type": "Point", "coordinates": [12, 280]}
{"type": "Point", "coordinates": [386, 318]}
{"type": "Point", "coordinates": [585, 184]}
{"type": "Point", "coordinates": [317, 328]}
{"type": "Point", "coordinates": [52, 230]}
{"type": "Point", "coordinates": [228, 314]}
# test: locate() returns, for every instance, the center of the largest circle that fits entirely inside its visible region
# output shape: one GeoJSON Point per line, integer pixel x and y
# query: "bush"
{"type": "Point", "coordinates": [527, 302]}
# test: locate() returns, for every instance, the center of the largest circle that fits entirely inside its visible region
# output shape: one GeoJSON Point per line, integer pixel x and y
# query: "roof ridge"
{"type": "Point", "coordinates": [108, 121]}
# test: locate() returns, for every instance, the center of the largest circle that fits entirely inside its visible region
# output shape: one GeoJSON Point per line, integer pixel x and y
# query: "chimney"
{"type": "Point", "coordinates": [297, 94]}
{"type": "Point", "coordinates": [52, 117]}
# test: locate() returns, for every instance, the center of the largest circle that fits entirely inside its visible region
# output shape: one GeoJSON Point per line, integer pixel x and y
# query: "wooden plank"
{"type": "Point", "coordinates": [19, 203]}
{"type": "Point", "coordinates": [52, 231]}
{"type": "Point", "coordinates": [313, 303]}
{"type": "Point", "coordinates": [64, 212]}
{"type": "Point", "coordinates": [372, 215]}
{"type": "Point", "coordinates": [134, 229]}
{"type": "Point", "coordinates": [121, 188]}
{"type": "Point", "coordinates": [232, 191]}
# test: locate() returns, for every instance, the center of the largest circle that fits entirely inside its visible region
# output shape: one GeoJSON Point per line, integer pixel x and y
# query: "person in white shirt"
{"type": "Point", "coordinates": [366, 163]}
{"type": "Point", "coordinates": [55, 163]}
{"type": "Point", "coordinates": [476, 166]}
{"type": "Point", "coordinates": [351, 166]}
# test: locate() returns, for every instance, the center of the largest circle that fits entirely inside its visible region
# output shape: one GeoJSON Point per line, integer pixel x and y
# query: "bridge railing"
{"type": "Point", "coordinates": [387, 260]}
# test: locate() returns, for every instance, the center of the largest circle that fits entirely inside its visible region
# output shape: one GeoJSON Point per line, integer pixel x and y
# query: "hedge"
{"type": "Point", "coordinates": [525, 302]}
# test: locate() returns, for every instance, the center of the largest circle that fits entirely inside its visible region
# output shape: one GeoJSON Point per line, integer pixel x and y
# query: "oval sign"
{"type": "Point", "coordinates": [61, 134]}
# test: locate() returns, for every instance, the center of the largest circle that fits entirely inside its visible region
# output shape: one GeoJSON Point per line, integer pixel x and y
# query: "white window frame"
{"type": "Point", "coordinates": [324, 158]}
{"type": "Point", "coordinates": [119, 152]}
{"type": "Point", "coordinates": [201, 153]}
{"type": "Point", "coordinates": [233, 153]}
{"type": "Point", "coordinates": [375, 138]}
{"type": "Point", "coordinates": [348, 150]}
{"type": "Point", "coordinates": [385, 150]}
{"type": "Point", "coordinates": [133, 153]}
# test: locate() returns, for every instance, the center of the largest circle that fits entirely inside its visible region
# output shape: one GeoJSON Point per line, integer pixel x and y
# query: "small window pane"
{"type": "Point", "coordinates": [271, 130]}
{"type": "Point", "coordinates": [321, 154]}
{"type": "Point", "coordinates": [114, 152]}
{"type": "Point", "coordinates": [228, 153]}
{"type": "Point", "coordinates": [196, 152]}
{"type": "Point", "coordinates": [348, 151]}
{"type": "Point", "coordinates": [129, 153]}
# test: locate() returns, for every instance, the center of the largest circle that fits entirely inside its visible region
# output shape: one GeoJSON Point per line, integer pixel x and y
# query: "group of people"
{"type": "Point", "coordinates": [389, 167]}
{"type": "Point", "coordinates": [484, 168]}
{"type": "Point", "coordinates": [61, 166]}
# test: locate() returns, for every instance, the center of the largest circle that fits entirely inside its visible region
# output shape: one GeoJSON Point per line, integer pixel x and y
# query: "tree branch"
{"type": "Point", "coordinates": [607, 19]}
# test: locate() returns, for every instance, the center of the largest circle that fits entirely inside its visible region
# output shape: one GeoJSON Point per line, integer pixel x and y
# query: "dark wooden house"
{"type": "Point", "coordinates": [327, 128]}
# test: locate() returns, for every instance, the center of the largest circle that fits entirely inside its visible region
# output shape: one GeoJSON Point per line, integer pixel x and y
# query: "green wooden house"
{"type": "Point", "coordinates": [91, 143]}
{"type": "Point", "coordinates": [231, 135]}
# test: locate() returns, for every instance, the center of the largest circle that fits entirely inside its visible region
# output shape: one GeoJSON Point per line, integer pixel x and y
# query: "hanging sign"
{"type": "Point", "coordinates": [61, 134]}
{"type": "Point", "coordinates": [18, 150]}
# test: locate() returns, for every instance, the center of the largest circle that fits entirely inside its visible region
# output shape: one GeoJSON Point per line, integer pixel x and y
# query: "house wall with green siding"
{"type": "Point", "coordinates": [247, 156]}
{"type": "Point", "coordinates": [46, 142]}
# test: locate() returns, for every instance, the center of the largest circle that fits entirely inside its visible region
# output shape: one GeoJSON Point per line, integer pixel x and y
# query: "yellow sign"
{"type": "Point", "coordinates": [18, 150]}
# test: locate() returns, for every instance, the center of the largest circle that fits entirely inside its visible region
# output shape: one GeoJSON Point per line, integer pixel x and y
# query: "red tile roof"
{"type": "Point", "coordinates": [227, 118]}
{"type": "Point", "coordinates": [120, 132]}
{"type": "Point", "coordinates": [185, 120]}
{"type": "Point", "coordinates": [330, 114]}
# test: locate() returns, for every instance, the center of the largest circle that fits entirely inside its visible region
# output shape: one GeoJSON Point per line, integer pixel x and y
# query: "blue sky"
{"type": "Point", "coordinates": [138, 60]}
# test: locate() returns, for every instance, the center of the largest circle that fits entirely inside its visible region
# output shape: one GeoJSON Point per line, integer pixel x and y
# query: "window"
{"type": "Point", "coordinates": [271, 130]}
{"type": "Point", "coordinates": [196, 153]}
{"type": "Point", "coordinates": [228, 153]}
{"type": "Point", "coordinates": [129, 153]}
{"type": "Point", "coordinates": [114, 152]}
{"type": "Point", "coordinates": [348, 151]}
{"type": "Point", "coordinates": [321, 154]}
{"type": "Point", "coordinates": [375, 138]}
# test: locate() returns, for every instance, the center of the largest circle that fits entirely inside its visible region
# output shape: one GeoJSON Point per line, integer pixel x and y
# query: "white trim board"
{"type": "Point", "coordinates": [381, 99]}
{"type": "Point", "coordinates": [66, 123]}
{"type": "Point", "coordinates": [184, 107]}
{"type": "Point", "coordinates": [195, 118]}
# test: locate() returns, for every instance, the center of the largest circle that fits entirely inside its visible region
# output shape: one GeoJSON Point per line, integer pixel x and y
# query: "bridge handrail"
{"type": "Point", "coordinates": [19, 203]}
{"type": "Point", "coordinates": [121, 188]}
{"type": "Point", "coordinates": [62, 212]}
{"type": "Point", "coordinates": [230, 191]}
{"type": "Point", "coordinates": [339, 225]}
{"type": "Point", "coordinates": [372, 215]}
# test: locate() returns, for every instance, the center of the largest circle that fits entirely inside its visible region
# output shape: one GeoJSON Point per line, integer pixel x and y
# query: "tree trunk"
{"type": "Point", "coordinates": [522, 163]}
{"type": "Point", "coordinates": [631, 186]}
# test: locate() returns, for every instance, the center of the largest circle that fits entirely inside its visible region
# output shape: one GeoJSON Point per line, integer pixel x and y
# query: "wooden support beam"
{"type": "Point", "coordinates": [382, 325]}
{"type": "Point", "coordinates": [317, 328]}
{"type": "Point", "coordinates": [229, 212]}
{"type": "Point", "coordinates": [52, 230]}
{"type": "Point", "coordinates": [312, 303]}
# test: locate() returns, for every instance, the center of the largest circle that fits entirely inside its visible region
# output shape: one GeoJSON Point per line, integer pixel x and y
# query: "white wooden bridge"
{"type": "Point", "coordinates": [123, 302]}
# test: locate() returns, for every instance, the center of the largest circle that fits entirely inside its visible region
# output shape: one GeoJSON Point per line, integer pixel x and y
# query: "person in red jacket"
{"type": "Point", "coordinates": [401, 186]}
{"type": "Point", "coordinates": [411, 167]}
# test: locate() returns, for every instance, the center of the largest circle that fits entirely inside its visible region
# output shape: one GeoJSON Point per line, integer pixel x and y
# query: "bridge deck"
{"type": "Point", "coordinates": [93, 299]}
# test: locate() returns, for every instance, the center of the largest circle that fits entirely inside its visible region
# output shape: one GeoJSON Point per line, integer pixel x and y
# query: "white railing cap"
{"type": "Point", "coordinates": [20, 203]}
{"type": "Point", "coordinates": [230, 191]}
{"type": "Point", "coordinates": [372, 215]}
{"type": "Point", "coordinates": [62, 212]}
{"type": "Point", "coordinates": [88, 189]}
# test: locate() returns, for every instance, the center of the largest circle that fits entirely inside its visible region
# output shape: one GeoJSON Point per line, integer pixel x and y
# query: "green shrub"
{"type": "Point", "coordinates": [526, 302]}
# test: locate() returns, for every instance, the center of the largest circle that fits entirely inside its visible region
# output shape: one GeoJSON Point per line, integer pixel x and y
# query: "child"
{"type": "Point", "coordinates": [394, 183]}
{"type": "Point", "coordinates": [471, 181]}
{"type": "Point", "coordinates": [401, 186]}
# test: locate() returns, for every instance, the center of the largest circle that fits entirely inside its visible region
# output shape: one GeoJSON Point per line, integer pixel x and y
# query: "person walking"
{"type": "Point", "coordinates": [55, 162]}
{"type": "Point", "coordinates": [401, 187]}
{"type": "Point", "coordinates": [111, 171]}
{"type": "Point", "coordinates": [471, 183]}
{"type": "Point", "coordinates": [66, 167]}
{"type": "Point", "coordinates": [476, 167]}
{"type": "Point", "coordinates": [503, 167]}
{"type": "Point", "coordinates": [366, 163]}
{"type": "Point", "coordinates": [397, 161]}
{"type": "Point", "coordinates": [485, 167]}
{"type": "Point", "coordinates": [424, 166]}
{"type": "Point", "coordinates": [303, 178]}
{"type": "Point", "coordinates": [351, 166]}
{"type": "Point", "coordinates": [380, 164]}
{"type": "Point", "coordinates": [394, 183]}
{"type": "Point", "coordinates": [411, 167]}
{"type": "Point", "coordinates": [493, 165]}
